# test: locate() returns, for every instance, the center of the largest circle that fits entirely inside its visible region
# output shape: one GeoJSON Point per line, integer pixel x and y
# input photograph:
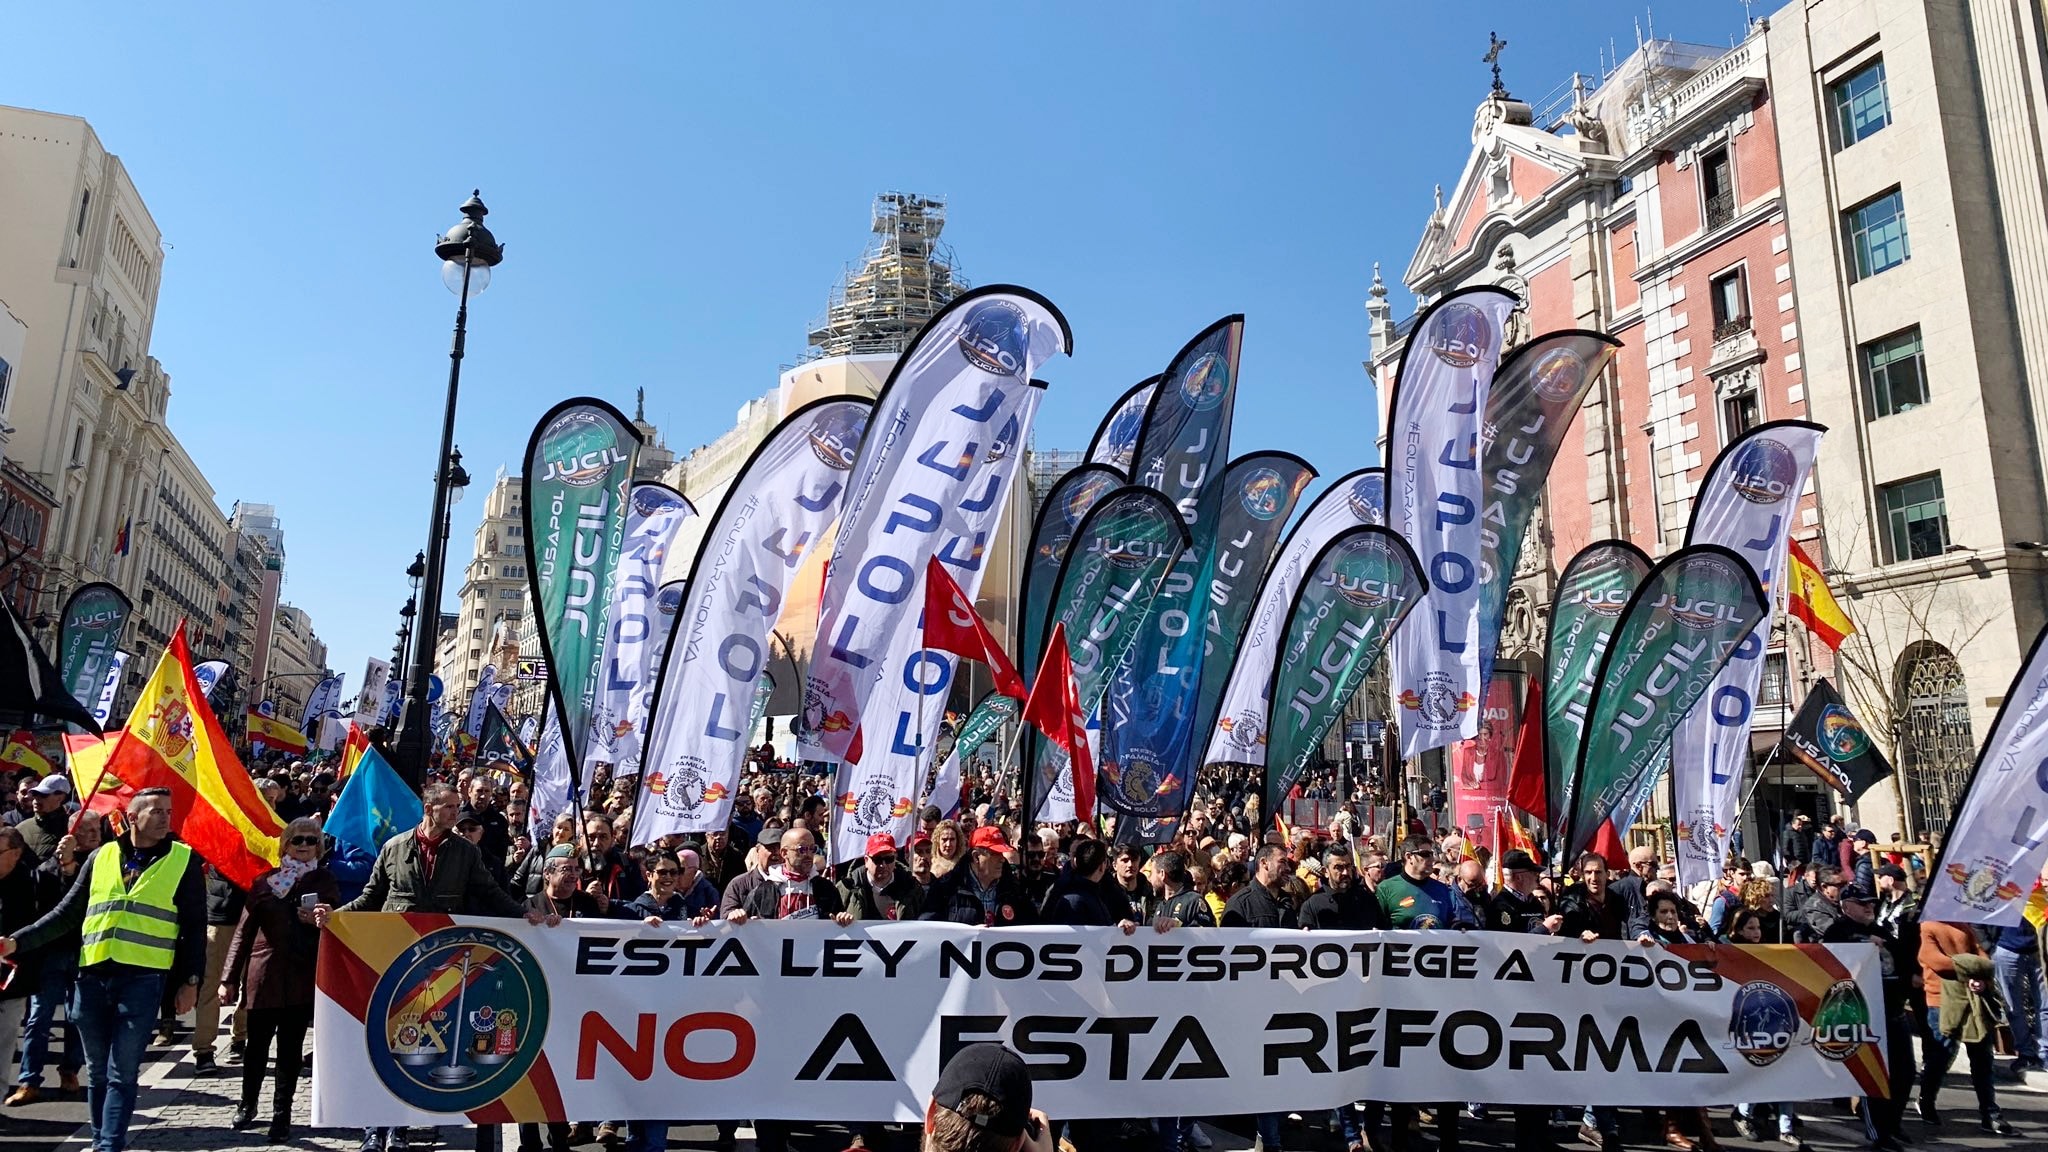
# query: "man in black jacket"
{"type": "Point", "coordinates": [496, 844]}
{"type": "Point", "coordinates": [52, 819]}
{"type": "Point", "coordinates": [793, 890]}
{"type": "Point", "coordinates": [1795, 843]}
{"type": "Point", "coordinates": [1343, 904]}
{"type": "Point", "coordinates": [1263, 903]}
{"type": "Point", "coordinates": [1857, 924]}
{"type": "Point", "coordinates": [1591, 910]}
{"type": "Point", "coordinates": [1079, 898]}
{"type": "Point", "coordinates": [22, 902]}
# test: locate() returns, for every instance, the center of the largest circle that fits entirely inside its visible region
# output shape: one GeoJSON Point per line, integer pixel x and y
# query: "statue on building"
{"type": "Point", "coordinates": [505, 649]}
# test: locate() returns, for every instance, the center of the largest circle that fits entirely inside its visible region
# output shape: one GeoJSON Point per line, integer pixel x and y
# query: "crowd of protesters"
{"type": "Point", "coordinates": [185, 939]}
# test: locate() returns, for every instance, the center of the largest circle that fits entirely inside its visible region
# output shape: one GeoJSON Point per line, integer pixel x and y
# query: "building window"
{"type": "Point", "coordinates": [513, 572]}
{"type": "Point", "coordinates": [78, 444]}
{"type": "Point", "coordinates": [1717, 184]}
{"type": "Point", "coordinates": [1877, 235]}
{"type": "Point", "coordinates": [1861, 103]}
{"type": "Point", "coordinates": [1916, 518]}
{"type": "Point", "coordinates": [1771, 689]}
{"type": "Point", "coordinates": [1739, 413]}
{"type": "Point", "coordinates": [1730, 291]}
{"type": "Point", "coordinates": [1895, 373]}
{"type": "Point", "coordinates": [6, 374]}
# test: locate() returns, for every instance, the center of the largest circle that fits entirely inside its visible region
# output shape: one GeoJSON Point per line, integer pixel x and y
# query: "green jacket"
{"type": "Point", "coordinates": [460, 886]}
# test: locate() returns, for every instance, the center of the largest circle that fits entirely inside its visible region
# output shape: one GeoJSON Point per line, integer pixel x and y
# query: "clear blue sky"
{"type": "Point", "coordinates": [678, 186]}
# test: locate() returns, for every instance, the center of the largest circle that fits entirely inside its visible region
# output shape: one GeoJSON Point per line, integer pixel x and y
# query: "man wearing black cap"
{"type": "Point", "coordinates": [1858, 925]}
{"type": "Point", "coordinates": [1518, 907]}
{"type": "Point", "coordinates": [983, 1104]}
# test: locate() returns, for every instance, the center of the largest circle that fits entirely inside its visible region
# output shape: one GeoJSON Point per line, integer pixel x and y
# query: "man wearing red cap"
{"type": "Point", "coordinates": [986, 893]}
{"type": "Point", "coordinates": [881, 889]}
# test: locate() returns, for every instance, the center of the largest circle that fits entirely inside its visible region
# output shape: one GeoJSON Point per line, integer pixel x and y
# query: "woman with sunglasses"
{"type": "Point", "coordinates": [270, 967]}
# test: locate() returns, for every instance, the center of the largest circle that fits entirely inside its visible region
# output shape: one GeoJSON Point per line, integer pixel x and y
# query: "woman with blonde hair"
{"type": "Point", "coordinates": [949, 847]}
{"type": "Point", "coordinates": [270, 968]}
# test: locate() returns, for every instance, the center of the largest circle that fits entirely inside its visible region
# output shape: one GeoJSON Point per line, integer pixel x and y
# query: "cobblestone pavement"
{"type": "Point", "coordinates": [183, 1112]}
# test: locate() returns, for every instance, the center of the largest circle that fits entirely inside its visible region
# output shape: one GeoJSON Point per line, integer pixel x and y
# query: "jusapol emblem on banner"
{"type": "Point", "coordinates": [1840, 734]}
{"type": "Point", "coordinates": [1763, 471]}
{"type": "Point", "coordinates": [1556, 376]}
{"type": "Point", "coordinates": [457, 1020]}
{"type": "Point", "coordinates": [1264, 494]}
{"type": "Point", "coordinates": [995, 337]}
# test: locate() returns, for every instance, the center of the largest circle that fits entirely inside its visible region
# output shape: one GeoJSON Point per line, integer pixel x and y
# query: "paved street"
{"type": "Point", "coordinates": [181, 1112]}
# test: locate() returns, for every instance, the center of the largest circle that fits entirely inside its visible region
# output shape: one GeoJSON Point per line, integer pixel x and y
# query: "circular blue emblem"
{"type": "Point", "coordinates": [835, 435]}
{"type": "Point", "coordinates": [457, 1020]}
{"type": "Point", "coordinates": [649, 499]}
{"type": "Point", "coordinates": [1463, 335]}
{"type": "Point", "coordinates": [1763, 471]}
{"type": "Point", "coordinates": [1557, 374]}
{"type": "Point", "coordinates": [1368, 499]}
{"type": "Point", "coordinates": [1763, 1022]}
{"type": "Point", "coordinates": [994, 337]}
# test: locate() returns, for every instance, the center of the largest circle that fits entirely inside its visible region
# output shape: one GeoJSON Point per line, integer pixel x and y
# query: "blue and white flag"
{"type": "Point", "coordinates": [910, 683]}
{"type": "Point", "coordinates": [635, 629]}
{"type": "Point", "coordinates": [780, 505]}
{"type": "Point", "coordinates": [479, 699]}
{"type": "Point", "coordinates": [552, 787]}
{"type": "Point", "coordinates": [325, 698]}
{"type": "Point", "coordinates": [1116, 440]}
{"type": "Point", "coordinates": [104, 706]}
{"type": "Point", "coordinates": [1749, 502]}
{"type": "Point", "coordinates": [1434, 496]}
{"type": "Point", "coordinates": [942, 446]}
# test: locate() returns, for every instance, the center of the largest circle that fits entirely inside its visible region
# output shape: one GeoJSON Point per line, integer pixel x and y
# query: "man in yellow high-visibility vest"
{"type": "Point", "coordinates": [141, 908]}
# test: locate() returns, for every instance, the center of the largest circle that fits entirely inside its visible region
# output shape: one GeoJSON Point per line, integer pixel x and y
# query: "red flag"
{"type": "Point", "coordinates": [952, 625]}
{"type": "Point", "coordinates": [1527, 787]}
{"type": "Point", "coordinates": [1055, 709]}
{"type": "Point", "coordinates": [1607, 842]}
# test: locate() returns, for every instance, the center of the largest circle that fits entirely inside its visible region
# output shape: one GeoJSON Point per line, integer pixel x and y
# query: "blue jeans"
{"type": "Point", "coordinates": [648, 1136]}
{"type": "Point", "coordinates": [60, 971]}
{"type": "Point", "coordinates": [115, 1013]}
{"type": "Point", "coordinates": [2019, 979]}
{"type": "Point", "coordinates": [1786, 1116]}
{"type": "Point", "coordinates": [1267, 1125]}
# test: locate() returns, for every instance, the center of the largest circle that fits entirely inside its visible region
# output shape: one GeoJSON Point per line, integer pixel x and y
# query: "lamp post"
{"type": "Point", "coordinates": [468, 252]}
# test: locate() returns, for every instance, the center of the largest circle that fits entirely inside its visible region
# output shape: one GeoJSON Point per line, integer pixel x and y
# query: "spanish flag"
{"type": "Point", "coordinates": [174, 741]}
{"type": "Point", "coordinates": [20, 751]}
{"type": "Point", "coordinates": [352, 749]}
{"type": "Point", "coordinates": [1808, 600]}
{"type": "Point", "coordinates": [98, 789]}
{"type": "Point", "coordinates": [275, 734]}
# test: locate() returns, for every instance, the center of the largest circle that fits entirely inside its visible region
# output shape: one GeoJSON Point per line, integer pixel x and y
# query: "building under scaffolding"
{"type": "Point", "coordinates": [906, 276]}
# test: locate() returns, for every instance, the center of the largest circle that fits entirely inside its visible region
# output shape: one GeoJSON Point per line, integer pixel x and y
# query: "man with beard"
{"type": "Point", "coordinates": [1265, 903]}
{"type": "Point", "coordinates": [496, 843]}
{"type": "Point", "coordinates": [1344, 905]}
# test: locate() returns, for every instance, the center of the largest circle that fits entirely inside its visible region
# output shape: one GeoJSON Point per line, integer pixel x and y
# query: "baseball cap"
{"type": "Point", "coordinates": [1517, 860]}
{"type": "Point", "coordinates": [879, 843]}
{"type": "Point", "coordinates": [995, 1072]}
{"type": "Point", "coordinates": [1866, 836]}
{"type": "Point", "coordinates": [561, 852]}
{"type": "Point", "coordinates": [52, 785]}
{"type": "Point", "coordinates": [466, 815]}
{"type": "Point", "coordinates": [991, 838]}
{"type": "Point", "coordinates": [1896, 873]}
{"type": "Point", "coordinates": [1858, 894]}
{"type": "Point", "coordinates": [921, 840]}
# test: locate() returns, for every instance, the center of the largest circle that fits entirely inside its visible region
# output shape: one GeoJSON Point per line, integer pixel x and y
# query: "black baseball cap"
{"type": "Point", "coordinates": [1896, 873]}
{"type": "Point", "coordinates": [995, 1072]}
{"type": "Point", "coordinates": [1857, 894]}
{"type": "Point", "coordinates": [1517, 860]}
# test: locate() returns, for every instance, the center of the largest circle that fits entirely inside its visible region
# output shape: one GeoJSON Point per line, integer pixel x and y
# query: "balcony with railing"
{"type": "Point", "coordinates": [1720, 209]}
{"type": "Point", "coordinates": [1730, 328]}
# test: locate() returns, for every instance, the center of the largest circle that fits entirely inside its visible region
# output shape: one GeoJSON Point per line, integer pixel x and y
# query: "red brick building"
{"type": "Point", "coordinates": [25, 511]}
{"type": "Point", "coordinates": [1648, 207]}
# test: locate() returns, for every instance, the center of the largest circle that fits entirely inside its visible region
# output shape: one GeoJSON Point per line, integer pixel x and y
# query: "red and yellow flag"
{"type": "Point", "coordinates": [20, 751]}
{"type": "Point", "coordinates": [275, 734]}
{"type": "Point", "coordinates": [352, 749]}
{"type": "Point", "coordinates": [98, 789]}
{"type": "Point", "coordinates": [174, 741]}
{"type": "Point", "coordinates": [1808, 600]}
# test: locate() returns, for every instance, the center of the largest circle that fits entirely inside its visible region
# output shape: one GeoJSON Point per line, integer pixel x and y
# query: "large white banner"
{"type": "Point", "coordinates": [1749, 502]}
{"type": "Point", "coordinates": [421, 1019]}
{"type": "Point", "coordinates": [1240, 732]}
{"type": "Point", "coordinates": [952, 400]}
{"type": "Point", "coordinates": [1998, 843]}
{"type": "Point", "coordinates": [634, 630]}
{"type": "Point", "coordinates": [478, 699]}
{"type": "Point", "coordinates": [1434, 496]}
{"type": "Point", "coordinates": [779, 506]}
{"type": "Point", "coordinates": [551, 794]}
{"type": "Point", "coordinates": [876, 790]}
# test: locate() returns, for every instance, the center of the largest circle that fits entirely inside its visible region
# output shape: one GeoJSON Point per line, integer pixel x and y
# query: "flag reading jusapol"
{"type": "Point", "coordinates": [1691, 612]}
{"type": "Point", "coordinates": [1116, 441]}
{"type": "Point", "coordinates": [1831, 742]}
{"type": "Point", "coordinates": [636, 628]}
{"type": "Point", "coordinates": [1149, 715]}
{"type": "Point", "coordinates": [1534, 396]}
{"type": "Point", "coordinates": [1356, 594]}
{"type": "Point", "coordinates": [1071, 497]}
{"type": "Point", "coordinates": [946, 432]}
{"type": "Point", "coordinates": [88, 633]}
{"type": "Point", "coordinates": [908, 697]}
{"type": "Point", "coordinates": [1259, 494]}
{"type": "Point", "coordinates": [1749, 504]}
{"type": "Point", "coordinates": [579, 466]}
{"type": "Point", "coordinates": [1238, 735]}
{"type": "Point", "coordinates": [1591, 592]}
{"type": "Point", "coordinates": [1121, 554]}
{"type": "Point", "coordinates": [779, 507]}
{"type": "Point", "coordinates": [1434, 494]}
{"type": "Point", "coordinates": [1995, 847]}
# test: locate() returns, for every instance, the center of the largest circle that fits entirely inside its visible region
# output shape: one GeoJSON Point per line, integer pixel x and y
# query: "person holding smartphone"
{"type": "Point", "coordinates": [269, 969]}
{"type": "Point", "coordinates": [982, 1103]}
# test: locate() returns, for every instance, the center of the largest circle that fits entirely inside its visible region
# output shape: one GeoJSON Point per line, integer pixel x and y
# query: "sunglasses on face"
{"type": "Point", "coordinates": [882, 861]}
{"type": "Point", "coordinates": [667, 872]}
{"type": "Point", "coordinates": [305, 841]}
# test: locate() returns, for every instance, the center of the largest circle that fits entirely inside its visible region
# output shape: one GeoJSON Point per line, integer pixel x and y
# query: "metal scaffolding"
{"type": "Point", "coordinates": [906, 276]}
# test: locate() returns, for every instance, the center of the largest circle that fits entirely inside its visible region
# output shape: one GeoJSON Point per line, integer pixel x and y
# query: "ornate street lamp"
{"type": "Point", "coordinates": [468, 252]}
